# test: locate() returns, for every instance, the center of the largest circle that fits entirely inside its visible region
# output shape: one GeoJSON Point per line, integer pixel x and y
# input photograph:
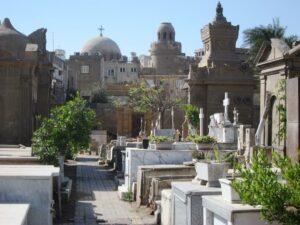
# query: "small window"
{"type": "Point", "coordinates": [85, 69]}
{"type": "Point", "coordinates": [122, 70]}
{"type": "Point", "coordinates": [110, 72]}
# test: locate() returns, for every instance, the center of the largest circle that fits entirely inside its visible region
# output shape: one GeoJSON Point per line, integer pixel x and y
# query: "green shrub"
{"type": "Point", "coordinates": [260, 185]}
{"type": "Point", "coordinates": [65, 133]}
{"type": "Point", "coordinates": [201, 139]}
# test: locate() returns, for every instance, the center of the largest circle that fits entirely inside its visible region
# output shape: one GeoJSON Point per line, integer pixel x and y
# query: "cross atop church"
{"type": "Point", "coordinates": [101, 29]}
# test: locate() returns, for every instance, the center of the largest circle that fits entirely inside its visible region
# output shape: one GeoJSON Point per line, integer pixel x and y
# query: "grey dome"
{"type": "Point", "coordinates": [166, 32]}
{"type": "Point", "coordinates": [103, 45]}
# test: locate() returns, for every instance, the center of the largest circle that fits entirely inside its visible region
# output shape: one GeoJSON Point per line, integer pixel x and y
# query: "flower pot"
{"type": "Point", "coordinates": [211, 172]}
{"type": "Point", "coordinates": [203, 146]}
{"type": "Point", "coordinates": [161, 145]}
{"type": "Point", "coordinates": [228, 192]}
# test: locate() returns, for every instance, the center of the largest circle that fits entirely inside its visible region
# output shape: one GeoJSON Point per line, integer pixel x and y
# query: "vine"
{"type": "Point", "coordinates": [281, 109]}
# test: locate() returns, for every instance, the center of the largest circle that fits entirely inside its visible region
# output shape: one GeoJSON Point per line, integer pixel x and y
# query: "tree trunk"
{"type": "Point", "coordinates": [162, 119]}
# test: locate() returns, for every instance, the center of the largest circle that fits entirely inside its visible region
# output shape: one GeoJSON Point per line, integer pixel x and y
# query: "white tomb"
{"type": "Point", "coordinates": [217, 211]}
{"type": "Point", "coordinates": [220, 126]}
{"type": "Point", "coordinates": [138, 157]}
{"type": "Point", "coordinates": [187, 202]}
{"type": "Point", "coordinates": [32, 185]}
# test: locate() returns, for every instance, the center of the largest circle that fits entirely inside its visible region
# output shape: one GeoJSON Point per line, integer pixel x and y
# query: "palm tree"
{"type": "Point", "coordinates": [254, 37]}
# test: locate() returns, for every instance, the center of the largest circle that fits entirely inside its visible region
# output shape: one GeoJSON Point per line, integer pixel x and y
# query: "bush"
{"type": "Point", "coordinates": [192, 113]}
{"type": "Point", "coordinates": [260, 185]}
{"type": "Point", "coordinates": [65, 132]}
{"type": "Point", "coordinates": [201, 139]}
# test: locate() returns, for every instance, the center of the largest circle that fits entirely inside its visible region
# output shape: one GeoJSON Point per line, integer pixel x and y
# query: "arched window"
{"type": "Point", "coordinates": [165, 36]}
{"type": "Point", "coordinates": [171, 36]}
{"type": "Point", "coordinates": [158, 35]}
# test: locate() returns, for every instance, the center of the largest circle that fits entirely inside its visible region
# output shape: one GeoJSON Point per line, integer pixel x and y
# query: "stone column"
{"type": "Point", "coordinates": [201, 120]}
{"type": "Point", "coordinates": [226, 103]}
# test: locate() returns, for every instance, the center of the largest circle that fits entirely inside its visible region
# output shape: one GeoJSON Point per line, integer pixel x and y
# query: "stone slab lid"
{"type": "Point", "coordinates": [225, 209]}
{"type": "Point", "coordinates": [29, 170]}
{"type": "Point", "coordinates": [190, 188]}
{"type": "Point", "coordinates": [13, 214]}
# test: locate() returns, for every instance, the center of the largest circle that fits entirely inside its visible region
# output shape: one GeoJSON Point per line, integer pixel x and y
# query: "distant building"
{"type": "Point", "coordinates": [166, 67]}
{"type": "Point", "coordinates": [25, 83]}
{"type": "Point", "coordinates": [100, 63]}
{"type": "Point", "coordinates": [59, 76]}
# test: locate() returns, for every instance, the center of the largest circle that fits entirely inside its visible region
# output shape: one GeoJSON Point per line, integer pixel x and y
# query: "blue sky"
{"type": "Point", "coordinates": [133, 23]}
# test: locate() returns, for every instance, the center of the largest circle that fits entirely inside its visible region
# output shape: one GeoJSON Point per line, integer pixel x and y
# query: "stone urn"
{"type": "Point", "coordinates": [228, 192]}
{"type": "Point", "coordinates": [210, 172]}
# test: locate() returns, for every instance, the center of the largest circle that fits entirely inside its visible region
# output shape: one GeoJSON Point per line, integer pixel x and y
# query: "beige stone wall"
{"type": "Point", "coordinates": [84, 81]}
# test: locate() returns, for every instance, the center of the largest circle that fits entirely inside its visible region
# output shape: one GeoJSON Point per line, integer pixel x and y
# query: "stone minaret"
{"type": "Point", "coordinates": [165, 51]}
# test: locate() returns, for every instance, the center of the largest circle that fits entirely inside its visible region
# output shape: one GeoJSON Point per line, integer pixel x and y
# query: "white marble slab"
{"type": "Point", "coordinates": [14, 214]}
{"type": "Point", "coordinates": [184, 146]}
{"type": "Point", "coordinates": [139, 157]}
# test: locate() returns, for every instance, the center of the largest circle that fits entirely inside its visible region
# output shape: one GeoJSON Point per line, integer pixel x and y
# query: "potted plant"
{"type": "Point", "coordinates": [277, 196]}
{"type": "Point", "coordinates": [160, 142]}
{"type": "Point", "coordinates": [210, 171]}
{"type": "Point", "coordinates": [204, 142]}
{"type": "Point", "coordinates": [228, 192]}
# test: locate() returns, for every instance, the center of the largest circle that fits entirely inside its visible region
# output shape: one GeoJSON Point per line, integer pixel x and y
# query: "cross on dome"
{"type": "Point", "coordinates": [101, 29]}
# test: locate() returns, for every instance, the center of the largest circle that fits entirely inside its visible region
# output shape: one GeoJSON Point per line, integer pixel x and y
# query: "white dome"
{"type": "Point", "coordinates": [103, 45]}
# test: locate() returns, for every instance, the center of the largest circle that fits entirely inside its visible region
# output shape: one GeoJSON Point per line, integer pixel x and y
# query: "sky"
{"type": "Point", "coordinates": [133, 24]}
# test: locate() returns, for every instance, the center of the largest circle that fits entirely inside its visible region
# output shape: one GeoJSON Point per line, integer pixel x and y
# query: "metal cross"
{"type": "Point", "coordinates": [101, 29]}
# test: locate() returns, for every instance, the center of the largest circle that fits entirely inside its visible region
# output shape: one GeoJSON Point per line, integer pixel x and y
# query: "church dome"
{"type": "Point", "coordinates": [12, 42]}
{"type": "Point", "coordinates": [166, 32]}
{"type": "Point", "coordinates": [104, 46]}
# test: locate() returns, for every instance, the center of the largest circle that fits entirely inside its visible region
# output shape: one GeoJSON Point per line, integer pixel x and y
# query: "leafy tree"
{"type": "Point", "coordinates": [99, 94]}
{"type": "Point", "coordinates": [254, 37]}
{"type": "Point", "coordinates": [65, 132]}
{"type": "Point", "coordinates": [159, 98]}
{"type": "Point", "coordinates": [278, 197]}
